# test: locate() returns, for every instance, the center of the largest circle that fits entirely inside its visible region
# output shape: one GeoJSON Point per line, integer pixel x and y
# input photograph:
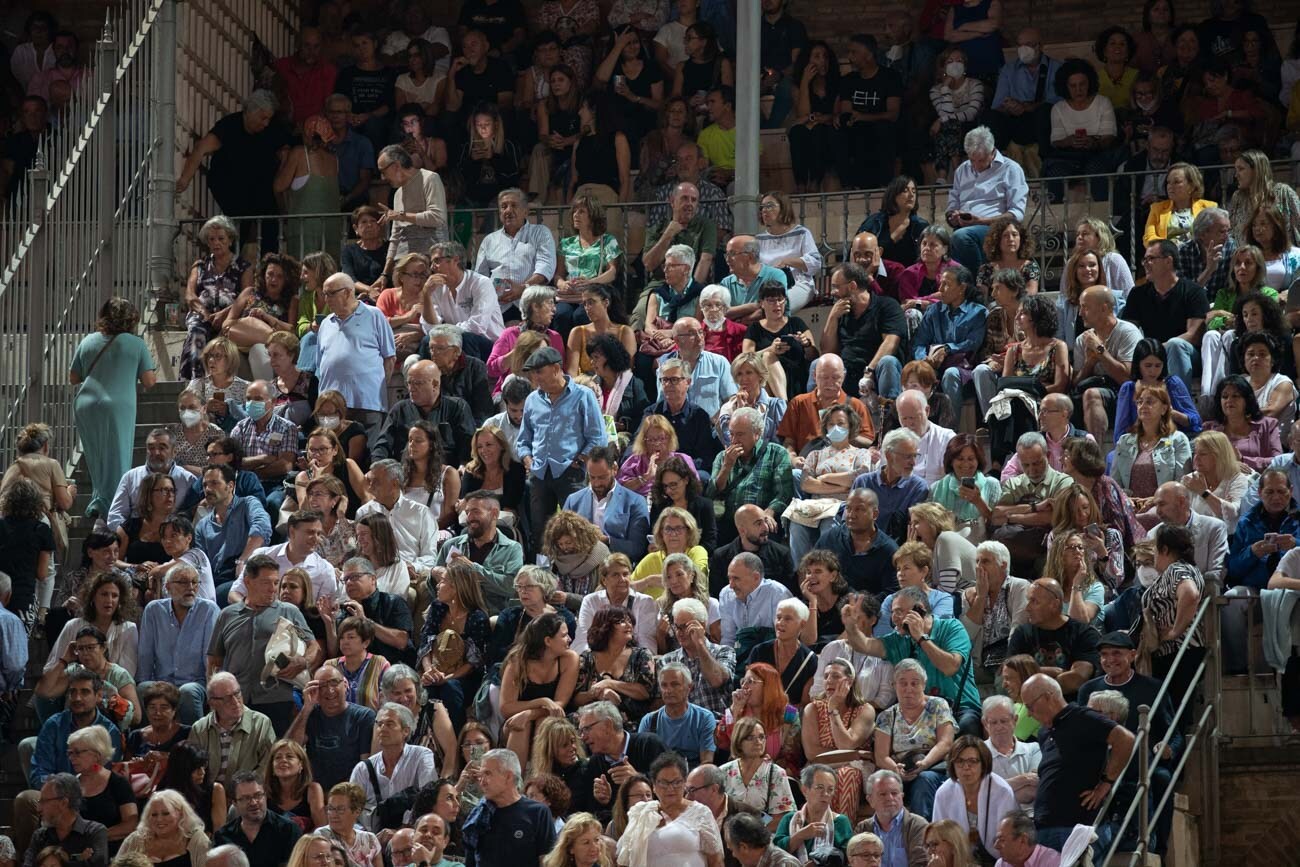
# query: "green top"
{"type": "Point", "coordinates": [781, 839]}
{"type": "Point", "coordinates": [1026, 726]}
{"type": "Point", "coordinates": [1227, 299]}
{"type": "Point", "coordinates": [580, 261]}
{"type": "Point", "coordinates": [950, 636]}
{"type": "Point", "coordinates": [306, 311]}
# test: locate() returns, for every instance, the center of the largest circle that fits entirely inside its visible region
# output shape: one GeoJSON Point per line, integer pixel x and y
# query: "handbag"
{"type": "Point", "coordinates": [653, 346]}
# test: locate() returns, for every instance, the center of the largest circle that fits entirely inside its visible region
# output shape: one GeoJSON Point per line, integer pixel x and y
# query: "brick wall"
{"type": "Point", "coordinates": [1060, 20]}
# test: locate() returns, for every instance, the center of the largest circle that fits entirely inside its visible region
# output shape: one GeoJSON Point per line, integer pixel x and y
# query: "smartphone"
{"type": "Point", "coordinates": [968, 481]}
{"type": "Point", "coordinates": [219, 395]}
{"type": "Point", "coordinates": [476, 752]}
{"type": "Point", "coordinates": [1094, 530]}
{"type": "Point", "coordinates": [792, 341]}
{"type": "Point", "coordinates": [1270, 539]}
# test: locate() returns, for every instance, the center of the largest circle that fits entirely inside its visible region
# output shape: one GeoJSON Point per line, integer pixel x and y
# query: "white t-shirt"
{"type": "Point", "coordinates": [1097, 119]}
{"type": "Point", "coordinates": [673, 37]}
{"type": "Point", "coordinates": [398, 41]}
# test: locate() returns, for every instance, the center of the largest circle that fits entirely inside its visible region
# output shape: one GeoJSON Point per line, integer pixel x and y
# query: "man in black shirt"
{"type": "Point", "coordinates": [781, 38]}
{"type": "Point", "coordinates": [245, 148]}
{"type": "Point", "coordinates": [868, 106]}
{"type": "Point", "coordinates": [63, 827]}
{"type": "Point", "coordinates": [616, 756]}
{"type": "Point", "coordinates": [477, 77]}
{"type": "Point", "coordinates": [866, 330]}
{"type": "Point", "coordinates": [266, 837]}
{"type": "Point", "coordinates": [369, 84]}
{"type": "Point", "coordinates": [751, 536]}
{"type": "Point", "coordinates": [1169, 308]}
{"type": "Point", "coordinates": [452, 415]}
{"type": "Point", "coordinates": [1064, 649]}
{"type": "Point", "coordinates": [1083, 754]}
{"type": "Point", "coordinates": [505, 827]}
{"type": "Point", "coordinates": [1117, 658]}
{"type": "Point", "coordinates": [694, 429]}
{"type": "Point", "coordinates": [389, 614]}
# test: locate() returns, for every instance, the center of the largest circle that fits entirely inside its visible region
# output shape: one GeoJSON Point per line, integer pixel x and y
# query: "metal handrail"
{"type": "Point", "coordinates": [1140, 803]}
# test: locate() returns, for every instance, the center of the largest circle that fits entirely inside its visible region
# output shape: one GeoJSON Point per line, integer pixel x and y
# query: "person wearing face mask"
{"type": "Point", "coordinates": [1023, 100]}
{"type": "Point", "coordinates": [957, 100]}
{"type": "Point", "coordinates": [722, 334]}
{"type": "Point", "coordinates": [269, 441]}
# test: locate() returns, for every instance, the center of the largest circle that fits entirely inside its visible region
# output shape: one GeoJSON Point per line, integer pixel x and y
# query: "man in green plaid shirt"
{"type": "Point", "coordinates": [751, 471]}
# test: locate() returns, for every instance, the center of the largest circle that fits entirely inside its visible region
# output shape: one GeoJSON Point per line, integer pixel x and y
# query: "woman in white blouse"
{"type": "Point", "coordinates": [1218, 480]}
{"type": "Point", "coordinates": [670, 829]}
{"type": "Point", "coordinates": [784, 243]}
{"type": "Point", "coordinates": [1084, 131]}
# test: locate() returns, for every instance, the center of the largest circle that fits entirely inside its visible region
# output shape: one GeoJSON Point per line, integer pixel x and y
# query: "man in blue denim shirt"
{"type": "Point", "coordinates": [233, 529]}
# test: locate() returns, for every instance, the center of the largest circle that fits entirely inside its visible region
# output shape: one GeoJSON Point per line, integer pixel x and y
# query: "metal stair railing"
{"type": "Point", "coordinates": [81, 227]}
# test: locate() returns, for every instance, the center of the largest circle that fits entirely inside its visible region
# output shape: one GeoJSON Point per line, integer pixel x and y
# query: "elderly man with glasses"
{"type": "Point", "coordinates": [357, 352]}
{"type": "Point", "coordinates": [455, 295]}
{"type": "Point", "coordinates": [62, 826]}
{"type": "Point", "coordinates": [248, 732]}
{"type": "Point", "coordinates": [893, 834]}
{"type": "Point", "coordinates": [174, 637]}
{"type": "Point", "coordinates": [336, 732]}
{"type": "Point", "coordinates": [616, 755]}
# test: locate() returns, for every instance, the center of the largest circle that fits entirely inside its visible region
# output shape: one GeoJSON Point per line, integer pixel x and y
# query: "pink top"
{"type": "Point", "coordinates": [636, 465]}
{"type": "Point", "coordinates": [390, 302]}
{"type": "Point", "coordinates": [1260, 446]}
{"type": "Point", "coordinates": [910, 280]}
{"type": "Point", "coordinates": [727, 342]}
{"type": "Point", "coordinates": [496, 363]}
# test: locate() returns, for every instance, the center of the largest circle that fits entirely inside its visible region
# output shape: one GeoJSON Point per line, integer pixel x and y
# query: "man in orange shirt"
{"type": "Point", "coordinates": [802, 423]}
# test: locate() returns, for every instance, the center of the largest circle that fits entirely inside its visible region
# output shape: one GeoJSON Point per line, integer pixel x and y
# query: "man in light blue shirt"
{"type": "Point", "coordinates": [1026, 91]}
{"type": "Point", "coordinates": [233, 528]}
{"type": "Point", "coordinates": [685, 728]}
{"type": "Point", "coordinates": [987, 186]}
{"type": "Point", "coordinates": [562, 423]}
{"type": "Point", "coordinates": [747, 275]}
{"type": "Point", "coordinates": [748, 604]}
{"type": "Point", "coordinates": [901, 832]}
{"type": "Point", "coordinates": [357, 353]}
{"type": "Point", "coordinates": [711, 382]}
{"type": "Point", "coordinates": [13, 652]}
{"type": "Point", "coordinates": [174, 637]}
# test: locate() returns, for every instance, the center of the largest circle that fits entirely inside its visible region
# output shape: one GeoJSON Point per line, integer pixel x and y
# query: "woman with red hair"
{"type": "Point", "coordinates": [762, 697]}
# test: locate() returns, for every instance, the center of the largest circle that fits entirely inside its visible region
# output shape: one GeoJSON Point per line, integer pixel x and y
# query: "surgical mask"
{"type": "Point", "coordinates": [956, 69]}
{"type": "Point", "coordinates": [255, 409]}
{"type": "Point", "coordinates": [190, 417]}
{"type": "Point", "coordinates": [1028, 54]}
{"type": "Point", "coordinates": [1147, 575]}
{"type": "Point", "coordinates": [328, 422]}
{"type": "Point", "coordinates": [837, 433]}
{"type": "Point", "coordinates": [895, 52]}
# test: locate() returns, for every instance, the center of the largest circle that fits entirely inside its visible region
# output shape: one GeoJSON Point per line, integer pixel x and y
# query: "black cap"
{"type": "Point", "coordinates": [1118, 638]}
{"type": "Point", "coordinates": [542, 357]}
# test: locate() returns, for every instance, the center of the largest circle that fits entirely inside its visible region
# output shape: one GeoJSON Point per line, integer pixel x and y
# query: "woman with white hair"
{"type": "Point", "coordinates": [170, 833]}
{"type": "Point", "coordinates": [106, 797]}
{"type": "Point", "coordinates": [914, 737]}
{"type": "Point", "coordinates": [537, 306]}
{"type": "Point", "coordinates": [787, 654]}
{"type": "Point", "coordinates": [216, 280]}
{"type": "Point", "coordinates": [993, 608]}
{"type": "Point", "coordinates": [722, 335]}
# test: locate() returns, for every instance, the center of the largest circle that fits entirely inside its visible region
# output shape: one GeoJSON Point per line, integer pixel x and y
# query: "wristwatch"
{"type": "Point", "coordinates": [923, 638]}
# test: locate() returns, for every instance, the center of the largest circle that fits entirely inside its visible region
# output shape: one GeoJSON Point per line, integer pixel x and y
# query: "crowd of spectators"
{"type": "Point", "coordinates": [459, 556]}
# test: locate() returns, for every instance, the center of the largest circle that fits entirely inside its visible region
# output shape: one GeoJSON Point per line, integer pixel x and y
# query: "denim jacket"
{"type": "Point", "coordinates": [1171, 456]}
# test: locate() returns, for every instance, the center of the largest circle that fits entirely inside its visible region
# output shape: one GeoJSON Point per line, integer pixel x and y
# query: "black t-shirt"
{"type": "Point", "coordinates": [1057, 648]}
{"type": "Point", "coordinates": [106, 807]}
{"type": "Point", "coordinates": [522, 833]}
{"type": "Point", "coordinates": [1074, 758]}
{"type": "Point", "coordinates": [497, 20]}
{"type": "Point", "coordinates": [367, 88]}
{"type": "Point", "coordinates": [20, 147]}
{"type": "Point", "coordinates": [483, 86]}
{"type": "Point", "coordinates": [868, 95]}
{"type": "Point", "coordinates": [392, 612]}
{"type": "Point", "coordinates": [1166, 318]}
{"type": "Point", "coordinates": [364, 265]}
{"type": "Point", "coordinates": [861, 336]}
{"type": "Point", "coordinates": [240, 174]}
{"type": "Point", "coordinates": [272, 845]}
{"type": "Point", "coordinates": [778, 41]}
{"type": "Point", "coordinates": [21, 542]}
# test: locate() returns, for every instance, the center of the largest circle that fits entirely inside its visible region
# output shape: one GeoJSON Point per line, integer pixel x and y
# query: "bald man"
{"type": "Point", "coordinates": [865, 250]}
{"type": "Point", "coordinates": [802, 422]}
{"type": "Point", "coordinates": [748, 274]}
{"type": "Point", "coordinates": [914, 414]}
{"type": "Point", "coordinates": [1065, 650]}
{"type": "Point", "coordinates": [753, 535]}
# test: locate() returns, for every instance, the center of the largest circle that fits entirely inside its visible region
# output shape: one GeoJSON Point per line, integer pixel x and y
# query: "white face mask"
{"type": "Point", "coordinates": [956, 69]}
{"type": "Point", "coordinates": [328, 422]}
{"type": "Point", "coordinates": [1028, 54]}
{"type": "Point", "coordinates": [190, 417]}
{"type": "Point", "coordinates": [895, 52]}
{"type": "Point", "coordinates": [1147, 575]}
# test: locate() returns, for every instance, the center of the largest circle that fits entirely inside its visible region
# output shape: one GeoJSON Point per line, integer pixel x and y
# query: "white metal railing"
{"type": "Point", "coordinates": [78, 229]}
{"type": "Point", "coordinates": [222, 49]}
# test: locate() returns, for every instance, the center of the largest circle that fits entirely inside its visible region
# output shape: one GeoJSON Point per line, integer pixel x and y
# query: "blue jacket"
{"type": "Point", "coordinates": [627, 518]}
{"type": "Point", "coordinates": [1244, 568]}
{"type": "Point", "coordinates": [1171, 457]}
{"type": "Point", "coordinates": [961, 330]}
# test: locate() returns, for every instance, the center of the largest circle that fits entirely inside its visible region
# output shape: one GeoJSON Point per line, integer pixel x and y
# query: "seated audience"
{"type": "Point", "coordinates": [925, 739]}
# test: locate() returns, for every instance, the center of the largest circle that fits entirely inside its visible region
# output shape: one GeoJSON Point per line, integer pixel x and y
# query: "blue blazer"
{"type": "Point", "coordinates": [627, 518]}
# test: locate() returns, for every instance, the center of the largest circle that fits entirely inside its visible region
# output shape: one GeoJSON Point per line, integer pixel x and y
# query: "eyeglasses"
{"type": "Point", "coordinates": [673, 528]}
{"type": "Point", "coordinates": [671, 784]}
{"type": "Point", "coordinates": [1150, 258]}
{"type": "Point", "coordinates": [335, 808]}
{"type": "Point", "coordinates": [671, 380]}
{"type": "Point", "coordinates": [180, 582]}
{"type": "Point", "coordinates": [355, 576]}
{"type": "Point", "coordinates": [519, 588]}
{"type": "Point", "coordinates": [582, 730]}
{"type": "Point", "coordinates": [822, 790]}
{"type": "Point", "coordinates": [419, 275]}
{"type": "Point", "coordinates": [330, 293]}
{"type": "Point", "coordinates": [86, 648]}
{"type": "Point", "coordinates": [966, 762]}
{"type": "Point", "coordinates": [330, 684]}
{"type": "Point", "coordinates": [253, 799]}
{"type": "Point", "coordinates": [691, 790]}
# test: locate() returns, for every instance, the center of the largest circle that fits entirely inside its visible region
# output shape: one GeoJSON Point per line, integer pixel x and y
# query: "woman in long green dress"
{"type": "Point", "coordinates": [107, 365]}
{"type": "Point", "coordinates": [309, 182]}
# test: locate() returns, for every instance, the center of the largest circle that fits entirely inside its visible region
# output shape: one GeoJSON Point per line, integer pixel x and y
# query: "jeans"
{"type": "Point", "coordinates": [804, 539]}
{"type": "Point", "coordinates": [545, 495]}
{"type": "Point", "coordinates": [889, 377]}
{"type": "Point", "coordinates": [986, 386]}
{"type": "Point", "coordinates": [920, 792]}
{"type": "Point", "coordinates": [193, 697]}
{"type": "Point", "coordinates": [968, 246]}
{"type": "Point", "coordinates": [952, 386]}
{"type": "Point", "coordinates": [455, 694]}
{"type": "Point", "coordinates": [1183, 359]}
{"type": "Point", "coordinates": [782, 103]}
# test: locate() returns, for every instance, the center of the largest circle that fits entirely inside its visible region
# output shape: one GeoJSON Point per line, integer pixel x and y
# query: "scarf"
{"type": "Point", "coordinates": [614, 397]}
{"type": "Point", "coordinates": [799, 818]}
{"type": "Point", "coordinates": [478, 823]}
